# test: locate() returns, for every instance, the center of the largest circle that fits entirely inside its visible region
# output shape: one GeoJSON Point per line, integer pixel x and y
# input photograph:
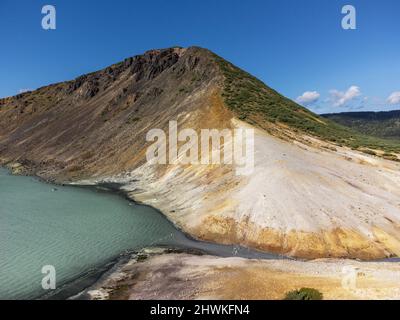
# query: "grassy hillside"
{"type": "Point", "coordinates": [379, 124]}
{"type": "Point", "coordinates": [252, 100]}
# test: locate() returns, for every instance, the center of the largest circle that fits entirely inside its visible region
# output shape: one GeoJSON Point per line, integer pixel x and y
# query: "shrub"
{"type": "Point", "coordinates": [304, 294]}
{"type": "Point", "coordinates": [370, 152]}
{"type": "Point", "coordinates": [132, 120]}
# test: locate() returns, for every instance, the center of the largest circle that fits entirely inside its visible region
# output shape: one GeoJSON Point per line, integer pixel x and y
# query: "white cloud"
{"type": "Point", "coordinates": [340, 98]}
{"type": "Point", "coordinates": [394, 98]}
{"type": "Point", "coordinates": [308, 97]}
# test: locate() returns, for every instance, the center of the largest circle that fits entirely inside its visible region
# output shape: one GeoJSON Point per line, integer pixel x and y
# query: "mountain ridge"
{"type": "Point", "coordinates": [310, 194]}
{"type": "Point", "coordinates": [258, 102]}
{"type": "Point", "coordinates": [383, 124]}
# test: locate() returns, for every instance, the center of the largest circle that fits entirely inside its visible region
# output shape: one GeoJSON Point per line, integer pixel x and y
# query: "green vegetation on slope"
{"type": "Point", "coordinates": [251, 100]}
{"type": "Point", "coordinates": [384, 124]}
{"type": "Point", "coordinates": [304, 294]}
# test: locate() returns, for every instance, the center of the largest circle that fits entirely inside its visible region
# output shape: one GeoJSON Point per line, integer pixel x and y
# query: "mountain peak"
{"type": "Point", "coordinates": [303, 198]}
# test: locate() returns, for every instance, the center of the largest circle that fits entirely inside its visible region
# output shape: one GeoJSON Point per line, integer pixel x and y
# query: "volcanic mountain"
{"type": "Point", "coordinates": [316, 189]}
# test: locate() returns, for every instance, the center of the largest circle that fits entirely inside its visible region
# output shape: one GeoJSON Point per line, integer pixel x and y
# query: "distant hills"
{"type": "Point", "coordinates": [384, 124]}
{"type": "Point", "coordinates": [256, 103]}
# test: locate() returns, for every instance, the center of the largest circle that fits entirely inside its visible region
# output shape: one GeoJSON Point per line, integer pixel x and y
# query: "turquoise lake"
{"type": "Point", "coordinates": [78, 231]}
{"type": "Point", "coordinates": [74, 229]}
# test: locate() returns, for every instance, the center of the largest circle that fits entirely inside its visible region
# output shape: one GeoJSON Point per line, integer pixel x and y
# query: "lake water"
{"type": "Point", "coordinates": [78, 231]}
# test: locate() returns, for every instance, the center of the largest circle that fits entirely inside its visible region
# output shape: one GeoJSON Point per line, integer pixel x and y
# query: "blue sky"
{"type": "Point", "coordinates": [296, 47]}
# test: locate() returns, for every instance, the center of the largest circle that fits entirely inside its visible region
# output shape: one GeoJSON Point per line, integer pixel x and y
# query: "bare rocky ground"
{"type": "Point", "coordinates": [157, 274]}
{"type": "Point", "coordinates": [303, 199]}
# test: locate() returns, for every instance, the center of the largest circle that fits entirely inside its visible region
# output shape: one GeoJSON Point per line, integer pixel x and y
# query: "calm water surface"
{"type": "Point", "coordinates": [76, 230]}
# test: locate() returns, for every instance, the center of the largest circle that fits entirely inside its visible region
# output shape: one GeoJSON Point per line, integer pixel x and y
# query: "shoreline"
{"type": "Point", "coordinates": [157, 273]}
{"type": "Point", "coordinates": [91, 277]}
{"type": "Point", "coordinates": [307, 245]}
{"type": "Point", "coordinates": [115, 188]}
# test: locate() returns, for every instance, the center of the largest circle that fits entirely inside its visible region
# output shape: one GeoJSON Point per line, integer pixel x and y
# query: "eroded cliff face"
{"type": "Point", "coordinates": [301, 200]}
{"type": "Point", "coordinates": [97, 123]}
{"type": "Point", "coordinates": [306, 197]}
